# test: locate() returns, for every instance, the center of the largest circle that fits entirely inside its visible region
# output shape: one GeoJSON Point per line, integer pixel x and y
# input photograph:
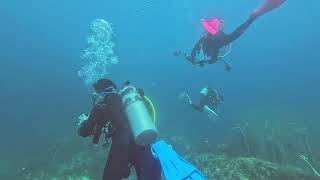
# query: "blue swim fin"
{"type": "Point", "coordinates": [174, 167]}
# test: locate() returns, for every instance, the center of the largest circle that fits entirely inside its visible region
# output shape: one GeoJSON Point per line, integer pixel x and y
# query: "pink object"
{"type": "Point", "coordinates": [267, 6]}
{"type": "Point", "coordinates": [211, 26]}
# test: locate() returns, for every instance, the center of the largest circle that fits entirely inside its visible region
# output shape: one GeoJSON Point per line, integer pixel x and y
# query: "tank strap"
{"type": "Point", "coordinates": [109, 90]}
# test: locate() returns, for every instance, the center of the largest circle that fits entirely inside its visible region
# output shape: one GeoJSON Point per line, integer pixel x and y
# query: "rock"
{"type": "Point", "coordinates": [222, 167]}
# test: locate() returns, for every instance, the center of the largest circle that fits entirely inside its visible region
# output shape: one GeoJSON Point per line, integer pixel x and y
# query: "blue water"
{"type": "Point", "coordinates": [275, 65]}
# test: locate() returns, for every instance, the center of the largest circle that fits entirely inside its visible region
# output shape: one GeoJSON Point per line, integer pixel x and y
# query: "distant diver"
{"type": "Point", "coordinates": [215, 39]}
{"type": "Point", "coordinates": [210, 99]}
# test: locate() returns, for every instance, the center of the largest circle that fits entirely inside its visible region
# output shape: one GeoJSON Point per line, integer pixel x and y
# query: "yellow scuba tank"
{"type": "Point", "coordinates": [140, 121]}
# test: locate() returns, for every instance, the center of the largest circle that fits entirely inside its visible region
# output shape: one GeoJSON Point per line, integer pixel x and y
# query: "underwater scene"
{"type": "Point", "coordinates": [160, 90]}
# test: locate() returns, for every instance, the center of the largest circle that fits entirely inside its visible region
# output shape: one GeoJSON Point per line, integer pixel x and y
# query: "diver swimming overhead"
{"type": "Point", "coordinates": [215, 39]}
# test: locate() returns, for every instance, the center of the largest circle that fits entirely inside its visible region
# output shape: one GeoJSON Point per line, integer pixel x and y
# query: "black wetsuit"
{"type": "Point", "coordinates": [212, 100]}
{"type": "Point", "coordinates": [212, 44]}
{"type": "Point", "coordinates": [124, 152]}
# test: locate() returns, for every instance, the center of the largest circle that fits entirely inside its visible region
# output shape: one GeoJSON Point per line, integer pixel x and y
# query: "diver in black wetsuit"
{"type": "Point", "coordinates": [211, 44]}
{"type": "Point", "coordinates": [210, 98]}
{"type": "Point", "coordinates": [124, 152]}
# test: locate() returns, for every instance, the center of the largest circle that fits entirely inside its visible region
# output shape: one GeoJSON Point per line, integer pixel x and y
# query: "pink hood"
{"type": "Point", "coordinates": [211, 26]}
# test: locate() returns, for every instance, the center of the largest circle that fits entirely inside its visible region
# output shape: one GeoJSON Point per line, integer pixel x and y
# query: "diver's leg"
{"type": "Point", "coordinates": [147, 167]}
{"type": "Point", "coordinates": [237, 32]}
{"type": "Point", "coordinates": [118, 158]}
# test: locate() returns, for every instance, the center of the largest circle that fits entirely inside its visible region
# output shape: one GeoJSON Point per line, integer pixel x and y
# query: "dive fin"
{"type": "Point", "coordinates": [267, 6]}
{"type": "Point", "coordinates": [174, 167]}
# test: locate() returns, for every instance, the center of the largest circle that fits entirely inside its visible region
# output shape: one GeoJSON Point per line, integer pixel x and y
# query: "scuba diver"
{"type": "Point", "coordinates": [131, 143]}
{"type": "Point", "coordinates": [215, 39]}
{"type": "Point", "coordinates": [210, 99]}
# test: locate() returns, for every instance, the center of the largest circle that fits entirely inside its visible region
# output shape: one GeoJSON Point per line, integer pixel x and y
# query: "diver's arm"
{"type": "Point", "coordinates": [196, 49]}
{"type": "Point", "coordinates": [229, 38]}
{"type": "Point", "coordinates": [197, 107]}
{"type": "Point", "coordinates": [86, 127]}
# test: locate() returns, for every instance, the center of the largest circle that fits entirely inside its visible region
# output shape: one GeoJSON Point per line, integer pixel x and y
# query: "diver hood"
{"type": "Point", "coordinates": [211, 26]}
